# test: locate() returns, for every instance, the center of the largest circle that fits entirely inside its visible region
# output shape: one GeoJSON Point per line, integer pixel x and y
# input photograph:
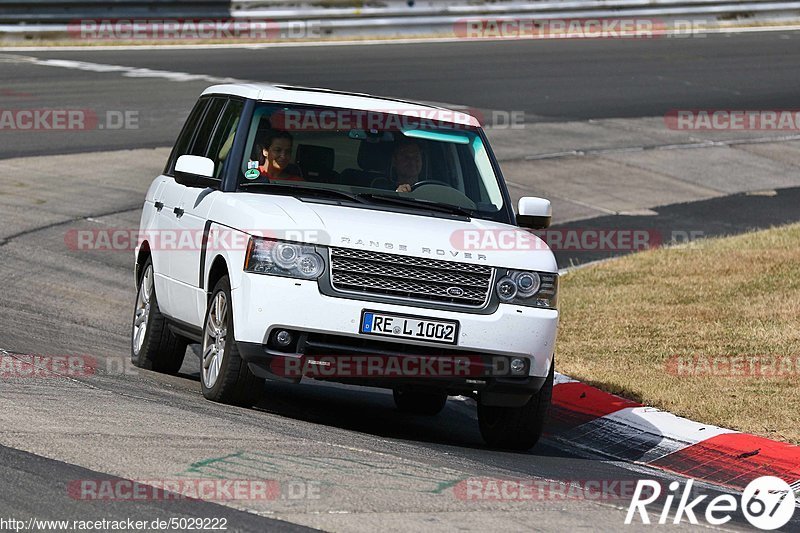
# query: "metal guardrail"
{"type": "Point", "coordinates": [305, 9]}
{"type": "Point", "coordinates": [35, 18]}
{"type": "Point", "coordinates": [435, 19]}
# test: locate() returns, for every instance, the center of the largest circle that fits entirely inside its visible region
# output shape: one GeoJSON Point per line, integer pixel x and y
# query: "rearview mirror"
{"type": "Point", "coordinates": [195, 171]}
{"type": "Point", "coordinates": [534, 213]}
{"type": "Point", "coordinates": [371, 136]}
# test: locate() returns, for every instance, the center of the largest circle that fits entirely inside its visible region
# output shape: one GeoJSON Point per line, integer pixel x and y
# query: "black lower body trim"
{"type": "Point", "coordinates": [190, 332]}
{"type": "Point", "coordinates": [369, 363]}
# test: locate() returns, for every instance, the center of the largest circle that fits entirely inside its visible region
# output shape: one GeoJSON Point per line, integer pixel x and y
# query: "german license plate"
{"type": "Point", "coordinates": [409, 327]}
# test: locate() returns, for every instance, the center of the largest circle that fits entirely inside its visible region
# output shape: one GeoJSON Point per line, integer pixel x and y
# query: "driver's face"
{"type": "Point", "coordinates": [407, 161]}
{"type": "Point", "coordinates": [279, 153]}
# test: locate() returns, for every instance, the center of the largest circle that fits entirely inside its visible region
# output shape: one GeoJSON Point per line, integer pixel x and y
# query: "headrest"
{"type": "Point", "coordinates": [314, 159]}
{"type": "Point", "coordinates": [374, 156]}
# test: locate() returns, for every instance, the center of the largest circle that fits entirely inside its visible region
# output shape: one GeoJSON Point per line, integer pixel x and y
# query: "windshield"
{"type": "Point", "coordinates": [381, 159]}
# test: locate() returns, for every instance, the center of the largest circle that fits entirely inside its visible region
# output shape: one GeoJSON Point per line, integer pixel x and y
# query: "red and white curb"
{"type": "Point", "coordinates": [590, 419]}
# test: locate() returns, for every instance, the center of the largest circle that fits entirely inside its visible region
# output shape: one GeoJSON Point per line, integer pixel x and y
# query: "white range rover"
{"type": "Point", "coordinates": [301, 232]}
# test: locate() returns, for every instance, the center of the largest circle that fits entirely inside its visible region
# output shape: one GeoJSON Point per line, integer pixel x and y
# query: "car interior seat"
{"type": "Point", "coordinates": [373, 160]}
{"type": "Point", "coordinates": [316, 163]}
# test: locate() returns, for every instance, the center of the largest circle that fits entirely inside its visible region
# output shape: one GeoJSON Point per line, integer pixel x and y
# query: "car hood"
{"type": "Point", "coordinates": [420, 235]}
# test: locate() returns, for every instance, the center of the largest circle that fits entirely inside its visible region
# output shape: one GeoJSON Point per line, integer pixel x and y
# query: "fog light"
{"type": "Point", "coordinates": [283, 338]}
{"type": "Point", "coordinates": [517, 365]}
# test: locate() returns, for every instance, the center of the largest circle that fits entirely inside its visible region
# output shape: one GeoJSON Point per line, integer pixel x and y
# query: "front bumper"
{"type": "Point", "coordinates": [265, 303]}
{"type": "Point", "coordinates": [322, 357]}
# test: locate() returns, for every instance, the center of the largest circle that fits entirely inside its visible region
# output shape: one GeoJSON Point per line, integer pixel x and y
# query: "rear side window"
{"type": "Point", "coordinates": [206, 127]}
{"type": "Point", "coordinates": [222, 141]}
{"type": "Point", "coordinates": [187, 135]}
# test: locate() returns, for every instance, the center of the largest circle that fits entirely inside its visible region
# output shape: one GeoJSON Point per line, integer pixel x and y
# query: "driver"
{"type": "Point", "coordinates": [407, 164]}
{"type": "Point", "coordinates": [274, 157]}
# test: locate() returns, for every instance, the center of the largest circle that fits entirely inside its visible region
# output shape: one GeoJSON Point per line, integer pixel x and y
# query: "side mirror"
{"type": "Point", "coordinates": [195, 171]}
{"type": "Point", "coordinates": [534, 213]}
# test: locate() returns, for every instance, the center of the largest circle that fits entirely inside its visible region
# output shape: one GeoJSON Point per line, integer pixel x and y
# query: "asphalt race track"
{"type": "Point", "coordinates": [343, 457]}
{"type": "Point", "coordinates": [547, 80]}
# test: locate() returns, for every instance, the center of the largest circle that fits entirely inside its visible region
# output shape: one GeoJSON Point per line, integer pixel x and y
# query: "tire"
{"type": "Point", "coordinates": [225, 377]}
{"type": "Point", "coordinates": [153, 345]}
{"type": "Point", "coordinates": [517, 428]}
{"type": "Point", "coordinates": [420, 403]}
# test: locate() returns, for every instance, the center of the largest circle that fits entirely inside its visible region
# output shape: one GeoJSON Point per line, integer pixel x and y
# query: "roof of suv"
{"type": "Point", "coordinates": [329, 98]}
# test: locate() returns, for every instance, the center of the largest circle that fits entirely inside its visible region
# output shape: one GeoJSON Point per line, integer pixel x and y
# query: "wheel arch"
{"type": "Point", "coordinates": [141, 258]}
{"type": "Point", "coordinates": [219, 269]}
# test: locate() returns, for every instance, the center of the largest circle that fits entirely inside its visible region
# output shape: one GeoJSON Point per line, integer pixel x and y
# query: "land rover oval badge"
{"type": "Point", "coordinates": [455, 291]}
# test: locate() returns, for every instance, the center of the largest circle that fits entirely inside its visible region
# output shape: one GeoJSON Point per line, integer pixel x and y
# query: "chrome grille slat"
{"type": "Point", "coordinates": [414, 272]}
{"type": "Point", "coordinates": [409, 278]}
{"type": "Point", "coordinates": [402, 285]}
{"type": "Point", "coordinates": [410, 260]}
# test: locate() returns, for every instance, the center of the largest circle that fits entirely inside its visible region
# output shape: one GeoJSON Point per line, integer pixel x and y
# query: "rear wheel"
{"type": "Point", "coordinates": [153, 345]}
{"type": "Point", "coordinates": [517, 428]}
{"type": "Point", "coordinates": [420, 402]}
{"type": "Point", "coordinates": [225, 375]}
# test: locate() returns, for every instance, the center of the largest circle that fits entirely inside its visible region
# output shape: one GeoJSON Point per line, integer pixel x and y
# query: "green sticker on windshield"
{"type": "Point", "coordinates": [252, 174]}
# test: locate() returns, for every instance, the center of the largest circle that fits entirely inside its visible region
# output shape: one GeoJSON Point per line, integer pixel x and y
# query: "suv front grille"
{"type": "Point", "coordinates": [410, 278]}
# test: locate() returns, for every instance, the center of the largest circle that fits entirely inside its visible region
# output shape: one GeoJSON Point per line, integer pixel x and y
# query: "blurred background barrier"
{"type": "Point", "coordinates": [36, 19]}
{"type": "Point", "coordinates": [26, 12]}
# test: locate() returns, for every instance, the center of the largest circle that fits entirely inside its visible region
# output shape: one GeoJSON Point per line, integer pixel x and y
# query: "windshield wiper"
{"type": "Point", "coordinates": [418, 203]}
{"type": "Point", "coordinates": [363, 198]}
{"type": "Point", "coordinates": [284, 188]}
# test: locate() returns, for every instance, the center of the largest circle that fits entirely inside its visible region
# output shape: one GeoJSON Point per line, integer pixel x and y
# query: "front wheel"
{"type": "Point", "coordinates": [517, 428]}
{"type": "Point", "coordinates": [225, 375]}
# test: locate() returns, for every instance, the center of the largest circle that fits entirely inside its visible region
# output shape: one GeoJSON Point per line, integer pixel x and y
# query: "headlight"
{"type": "Point", "coordinates": [534, 289]}
{"type": "Point", "coordinates": [280, 258]}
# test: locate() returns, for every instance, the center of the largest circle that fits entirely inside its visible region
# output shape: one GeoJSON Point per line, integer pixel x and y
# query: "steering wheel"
{"type": "Point", "coordinates": [419, 184]}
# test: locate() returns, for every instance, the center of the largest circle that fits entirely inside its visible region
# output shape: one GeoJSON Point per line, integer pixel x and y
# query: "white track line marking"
{"type": "Point", "coordinates": [132, 72]}
{"type": "Point", "coordinates": [137, 72]}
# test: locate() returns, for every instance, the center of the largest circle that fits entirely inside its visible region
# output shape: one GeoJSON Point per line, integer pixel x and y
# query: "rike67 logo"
{"type": "Point", "coordinates": [767, 502]}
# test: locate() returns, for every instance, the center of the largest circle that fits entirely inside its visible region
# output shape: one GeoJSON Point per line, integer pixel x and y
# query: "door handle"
{"type": "Point", "coordinates": [178, 212]}
{"type": "Point", "coordinates": [159, 206]}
